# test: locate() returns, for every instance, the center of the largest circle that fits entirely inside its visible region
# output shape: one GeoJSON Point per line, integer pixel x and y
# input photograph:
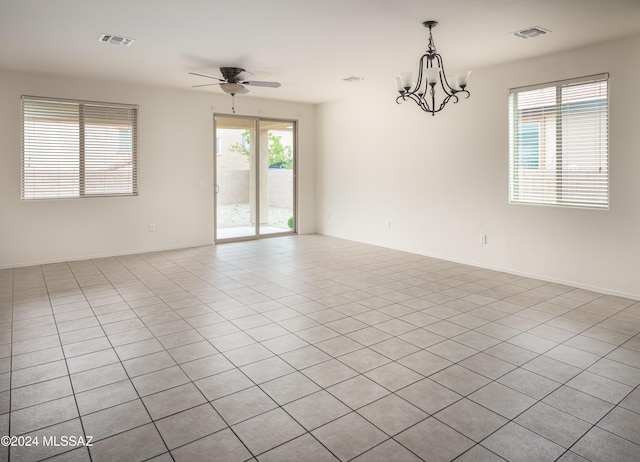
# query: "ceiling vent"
{"type": "Point", "coordinates": [353, 79]}
{"type": "Point", "coordinates": [530, 32]}
{"type": "Point", "coordinates": [115, 40]}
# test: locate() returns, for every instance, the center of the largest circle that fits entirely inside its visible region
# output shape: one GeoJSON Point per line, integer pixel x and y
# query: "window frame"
{"type": "Point", "coordinates": [98, 151]}
{"type": "Point", "coordinates": [591, 190]}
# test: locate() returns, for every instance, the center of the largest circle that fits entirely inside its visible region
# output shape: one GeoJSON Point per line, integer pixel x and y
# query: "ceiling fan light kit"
{"type": "Point", "coordinates": [233, 88]}
{"type": "Point", "coordinates": [430, 74]}
{"type": "Point", "coordinates": [233, 82]}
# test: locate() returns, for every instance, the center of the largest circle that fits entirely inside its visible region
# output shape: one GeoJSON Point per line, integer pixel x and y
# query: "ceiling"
{"type": "Point", "coordinates": [310, 47]}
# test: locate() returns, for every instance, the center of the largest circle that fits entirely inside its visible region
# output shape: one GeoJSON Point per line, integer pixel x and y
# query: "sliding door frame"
{"type": "Point", "coordinates": [256, 165]}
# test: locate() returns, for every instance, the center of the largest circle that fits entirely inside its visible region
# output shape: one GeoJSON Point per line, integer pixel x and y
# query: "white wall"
{"type": "Point", "coordinates": [175, 151]}
{"type": "Point", "coordinates": [442, 181]}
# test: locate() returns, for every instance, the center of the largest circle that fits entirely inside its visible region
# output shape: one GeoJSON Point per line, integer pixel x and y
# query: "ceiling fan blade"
{"type": "Point", "coordinates": [257, 83]}
{"type": "Point", "coordinates": [244, 75]}
{"type": "Point", "coordinates": [204, 85]}
{"type": "Point", "coordinates": [207, 76]}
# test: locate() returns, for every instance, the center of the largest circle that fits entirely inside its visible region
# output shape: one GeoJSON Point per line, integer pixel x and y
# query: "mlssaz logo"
{"type": "Point", "coordinates": [67, 441]}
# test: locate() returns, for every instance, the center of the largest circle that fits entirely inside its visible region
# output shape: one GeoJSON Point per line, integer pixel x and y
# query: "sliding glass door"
{"type": "Point", "coordinates": [255, 192]}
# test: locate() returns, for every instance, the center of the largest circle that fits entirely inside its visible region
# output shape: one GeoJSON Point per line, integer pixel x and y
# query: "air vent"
{"type": "Point", "coordinates": [530, 32]}
{"type": "Point", "coordinates": [115, 40]}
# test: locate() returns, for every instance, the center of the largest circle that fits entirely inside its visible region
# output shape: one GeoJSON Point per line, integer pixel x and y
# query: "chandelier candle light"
{"type": "Point", "coordinates": [430, 73]}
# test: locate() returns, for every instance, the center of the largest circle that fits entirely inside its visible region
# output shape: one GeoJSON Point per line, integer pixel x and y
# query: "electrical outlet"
{"type": "Point", "coordinates": [152, 227]}
{"type": "Point", "coordinates": [483, 239]}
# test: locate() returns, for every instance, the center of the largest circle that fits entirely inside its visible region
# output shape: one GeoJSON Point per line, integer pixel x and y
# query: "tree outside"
{"type": "Point", "coordinates": [280, 155]}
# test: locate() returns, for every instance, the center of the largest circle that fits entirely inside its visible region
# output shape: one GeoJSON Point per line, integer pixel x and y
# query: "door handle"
{"type": "Point", "coordinates": [217, 189]}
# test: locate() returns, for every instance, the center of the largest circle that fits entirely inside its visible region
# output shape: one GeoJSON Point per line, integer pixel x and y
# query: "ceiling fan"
{"type": "Point", "coordinates": [234, 81]}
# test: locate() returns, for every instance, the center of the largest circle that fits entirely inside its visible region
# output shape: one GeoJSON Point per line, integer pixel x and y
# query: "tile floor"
{"type": "Point", "coordinates": [312, 348]}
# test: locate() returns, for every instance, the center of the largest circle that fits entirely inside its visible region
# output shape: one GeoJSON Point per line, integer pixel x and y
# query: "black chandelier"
{"type": "Point", "coordinates": [430, 73]}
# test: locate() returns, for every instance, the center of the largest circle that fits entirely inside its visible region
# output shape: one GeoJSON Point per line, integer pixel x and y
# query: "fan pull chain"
{"type": "Point", "coordinates": [233, 103]}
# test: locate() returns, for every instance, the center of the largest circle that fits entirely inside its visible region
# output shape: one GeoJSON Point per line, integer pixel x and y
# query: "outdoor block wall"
{"type": "Point", "coordinates": [234, 187]}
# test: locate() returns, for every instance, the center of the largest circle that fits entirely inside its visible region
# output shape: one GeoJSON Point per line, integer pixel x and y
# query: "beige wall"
{"type": "Point", "coordinates": [175, 153]}
{"type": "Point", "coordinates": [441, 182]}
{"type": "Point", "coordinates": [380, 172]}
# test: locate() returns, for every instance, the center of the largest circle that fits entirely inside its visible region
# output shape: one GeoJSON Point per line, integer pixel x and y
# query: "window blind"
{"type": "Point", "coordinates": [76, 149]}
{"type": "Point", "coordinates": [559, 143]}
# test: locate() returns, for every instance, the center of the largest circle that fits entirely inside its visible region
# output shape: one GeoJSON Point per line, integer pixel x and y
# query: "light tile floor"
{"type": "Point", "coordinates": [312, 348]}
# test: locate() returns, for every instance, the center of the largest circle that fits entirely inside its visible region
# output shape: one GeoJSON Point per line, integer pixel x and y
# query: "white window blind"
{"type": "Point", "coordinates": [559, 143]}
{"type": "Point", "coordinates": [78, 149]}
